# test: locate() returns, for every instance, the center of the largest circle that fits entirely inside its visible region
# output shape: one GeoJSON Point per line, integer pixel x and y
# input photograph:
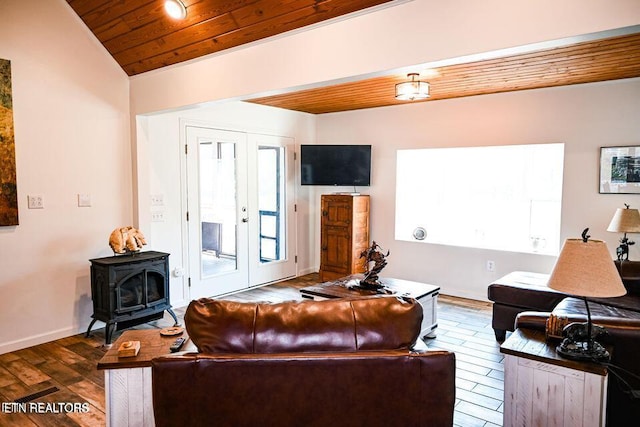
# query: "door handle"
{"type": "Point", "coordinates": [245, 219]}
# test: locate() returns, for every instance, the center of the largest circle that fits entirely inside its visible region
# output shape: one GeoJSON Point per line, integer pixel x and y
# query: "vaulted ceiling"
{"type": "Point", "coordinates": [141, 37]}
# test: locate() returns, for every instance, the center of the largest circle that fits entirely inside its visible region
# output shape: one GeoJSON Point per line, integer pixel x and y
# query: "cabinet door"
{"type": "Point", "coordinates": [337, 211]}
{"type": "Point", "coordinates": [336, 249]}
{"type": "Point", "coordinates": [336, 234]}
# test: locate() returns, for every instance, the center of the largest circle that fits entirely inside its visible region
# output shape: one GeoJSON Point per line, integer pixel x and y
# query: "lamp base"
{"type": "Point", "coordinates": [583, 350]}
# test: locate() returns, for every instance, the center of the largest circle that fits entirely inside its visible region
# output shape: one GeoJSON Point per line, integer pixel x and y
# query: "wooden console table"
{"type": "Point", "coordinates": [127, 380]}
{"type": "Point", "coordinates": [426, 295]}
{"type": "Point", "coordinates": [543, 388]}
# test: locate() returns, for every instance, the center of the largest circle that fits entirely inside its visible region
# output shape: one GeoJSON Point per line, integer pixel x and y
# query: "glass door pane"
{"type": "Point", "coordinates": [216, 199]}
{"type": "Point", "coordinates": [218, 206]}
{"type": "Point", "coordinates": [270, 203]}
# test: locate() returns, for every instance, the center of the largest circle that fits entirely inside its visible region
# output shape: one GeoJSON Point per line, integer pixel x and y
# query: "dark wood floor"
{"type": "Point", "coordinates": [66, 368]}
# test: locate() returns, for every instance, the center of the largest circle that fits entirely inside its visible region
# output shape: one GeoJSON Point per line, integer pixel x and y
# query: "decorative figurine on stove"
{"type": "Point", "coordinates": [373, 253]}
{"type": "Point", "coordinates": [126, 239]}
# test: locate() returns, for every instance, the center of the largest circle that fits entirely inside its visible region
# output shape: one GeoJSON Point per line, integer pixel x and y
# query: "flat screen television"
{"type": "Point", "coordinates": [348, 165]}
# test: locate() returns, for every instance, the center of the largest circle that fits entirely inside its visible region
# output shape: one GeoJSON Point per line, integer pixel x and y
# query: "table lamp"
{"type": "Point", "coordinates": [585, 269]}
{"type": "Point", "coordinates": [625, 221]}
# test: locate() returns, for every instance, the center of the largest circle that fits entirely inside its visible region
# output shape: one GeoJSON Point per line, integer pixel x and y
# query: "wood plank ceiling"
{"type": "Point", "coordinates": [141, 37]}
{"type": "Point", "coordinates": [593, 61]}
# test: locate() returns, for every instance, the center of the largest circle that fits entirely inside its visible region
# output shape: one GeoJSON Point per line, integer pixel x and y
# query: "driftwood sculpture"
{"type": "Point", "coordinates": [126, 239]}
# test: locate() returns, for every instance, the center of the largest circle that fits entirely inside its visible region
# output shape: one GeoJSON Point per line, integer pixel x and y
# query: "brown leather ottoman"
{"type": "Point", "coordinates": [525, 291]}
{"type": "Point", "coordinates": [517, 292]}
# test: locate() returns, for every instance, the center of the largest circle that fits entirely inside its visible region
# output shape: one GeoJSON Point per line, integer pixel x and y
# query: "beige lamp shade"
{"type": "Point", "coordinates": [625, 221]}
{"type": "Point", "coordinates": [586, 269]}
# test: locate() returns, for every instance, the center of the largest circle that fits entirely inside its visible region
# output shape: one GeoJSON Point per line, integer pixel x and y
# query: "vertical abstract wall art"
{"type": "Point", "coordinates": [8, 189]}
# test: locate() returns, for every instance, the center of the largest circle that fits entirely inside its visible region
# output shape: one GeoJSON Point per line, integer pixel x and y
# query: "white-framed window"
{"type": "Point", "coordinates": [499, 197]}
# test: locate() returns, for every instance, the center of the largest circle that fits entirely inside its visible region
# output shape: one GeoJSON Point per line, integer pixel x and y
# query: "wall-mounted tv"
{"type": "Point", "coordinates": [335, 165]}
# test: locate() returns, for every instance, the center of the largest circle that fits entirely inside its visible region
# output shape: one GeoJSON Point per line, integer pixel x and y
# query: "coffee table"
{"type": "Point", "coordinates": [127, 380]}
{"type": "Point", "coordinates": [425, 294]}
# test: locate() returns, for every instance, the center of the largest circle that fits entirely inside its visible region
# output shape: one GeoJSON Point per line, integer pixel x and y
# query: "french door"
{"type": "Point", "coordinates": [240, 210]}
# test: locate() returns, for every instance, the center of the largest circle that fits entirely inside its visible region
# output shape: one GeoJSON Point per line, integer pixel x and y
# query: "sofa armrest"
{"type": "Point", "coordinates": [532, 320]}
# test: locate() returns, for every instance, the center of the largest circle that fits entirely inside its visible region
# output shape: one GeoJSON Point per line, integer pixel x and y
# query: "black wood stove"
{"type": "Point", "coordinates": [130, 289]}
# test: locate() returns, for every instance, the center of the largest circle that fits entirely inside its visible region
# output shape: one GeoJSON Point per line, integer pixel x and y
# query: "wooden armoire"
{"type": "Point", "coordinates": [344, 234]}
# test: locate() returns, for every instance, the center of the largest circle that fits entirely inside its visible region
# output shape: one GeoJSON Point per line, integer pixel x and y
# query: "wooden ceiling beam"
{"type": "Point", "coordinates": [600, 60]}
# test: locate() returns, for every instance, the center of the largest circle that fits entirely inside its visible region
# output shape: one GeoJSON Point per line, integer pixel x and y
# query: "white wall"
{"type": "Point", "coordinates": [584, 117]}
{"type": "Point", "coordinates": [161, 144]}
{"type": "Point", "coordinates": [71, 117]}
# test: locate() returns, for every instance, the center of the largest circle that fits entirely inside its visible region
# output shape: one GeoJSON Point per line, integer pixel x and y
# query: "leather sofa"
{"type": "Point", "coordinates": [341, 362]}
{"type": "Point", "coordinates": [523, 291]}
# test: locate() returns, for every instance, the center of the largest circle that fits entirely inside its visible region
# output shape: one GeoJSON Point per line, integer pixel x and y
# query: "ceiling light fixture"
{"type": "Point", "coordinates": [175, 9]}
{"type": "Point", "coordinates": [413, 89]}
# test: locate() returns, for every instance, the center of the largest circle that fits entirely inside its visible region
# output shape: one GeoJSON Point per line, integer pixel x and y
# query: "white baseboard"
{"type": "Point", "coordinates": [180, 303]}
{"type": "Point", "coordinates": [461, 293]}
{"type": "Point", "coordinates": [45, 337]}
{"type": "Point", "coordinates": [307, 271]}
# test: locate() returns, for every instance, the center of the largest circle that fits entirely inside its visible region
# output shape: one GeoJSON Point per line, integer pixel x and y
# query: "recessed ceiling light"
{"type": "Point", "coordinates": [175, 9]}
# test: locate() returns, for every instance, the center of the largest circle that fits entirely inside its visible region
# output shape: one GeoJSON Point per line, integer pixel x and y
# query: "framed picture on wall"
{"type": "Point", "coordinates": [8, 186]}
{"type": "Point", "coordinates": [620, 170]}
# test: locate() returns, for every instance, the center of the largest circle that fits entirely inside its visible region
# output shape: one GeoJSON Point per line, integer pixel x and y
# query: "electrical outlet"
{"type": "Point", "coordinates": [491, 266]}
{"type": "Point", "coordinates": [35, 202]}
{"type": "Point", "coordinates": [157, 216]}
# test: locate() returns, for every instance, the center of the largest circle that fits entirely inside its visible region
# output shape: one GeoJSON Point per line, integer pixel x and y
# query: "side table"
{"type": "Point", "coordinates": [127, 380]}
{"type": "Point", "coordinates": [543, 388]}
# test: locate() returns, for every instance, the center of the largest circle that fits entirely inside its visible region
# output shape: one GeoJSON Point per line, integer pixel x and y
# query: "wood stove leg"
{"type": "Point", "coordinates": [175, 319]}
{"type": "Point", "coordinates": [88, 334]}
{"type": "Point", "coordinates": [108, 331]}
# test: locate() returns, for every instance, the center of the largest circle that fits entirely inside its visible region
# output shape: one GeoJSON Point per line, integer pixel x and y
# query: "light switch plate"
{"type": "Point", "coordinates": [157, 200]}
{"type": "Point", "coordinates": [84, 200]}
{"type": "Point", "coordinates": [35, 201]}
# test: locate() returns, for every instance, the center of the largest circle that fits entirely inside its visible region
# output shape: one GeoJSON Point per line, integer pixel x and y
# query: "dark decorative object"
{"type": "Point", "coordinates": [128, 290]}
{"type": "Point", "coordinates": [625, 221]}
{"type": "Point", "coordinates": [373, 253]}
{"type": "Point", "coordinates": [580, 341]}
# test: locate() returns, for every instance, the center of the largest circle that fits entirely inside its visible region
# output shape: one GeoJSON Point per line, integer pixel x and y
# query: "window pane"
{"type": "Point", "coordinates": [271, 203]}
{"type": "Point", "coordinates": [217, 207]}
{"type": "Point", "coordinates": [504, 198]}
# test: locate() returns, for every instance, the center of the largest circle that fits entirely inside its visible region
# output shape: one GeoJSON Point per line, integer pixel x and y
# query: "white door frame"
{"type": "Point", "coordinates": [264, 273]}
